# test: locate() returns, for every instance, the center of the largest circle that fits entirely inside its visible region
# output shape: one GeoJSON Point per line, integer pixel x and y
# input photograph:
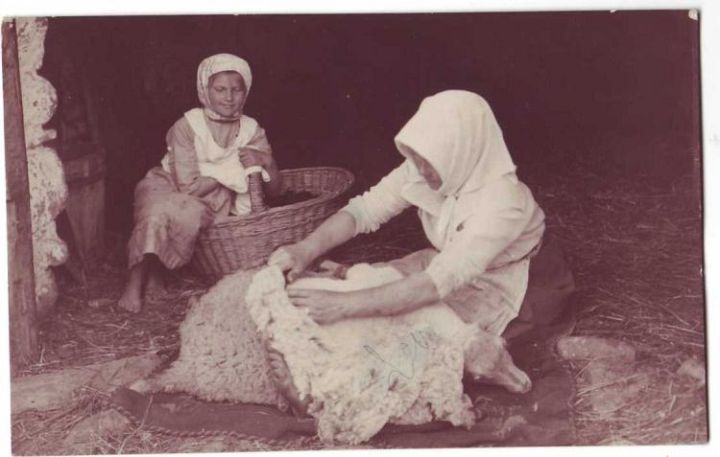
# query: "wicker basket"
{"type": "Point", "coordinates": [244, 242]}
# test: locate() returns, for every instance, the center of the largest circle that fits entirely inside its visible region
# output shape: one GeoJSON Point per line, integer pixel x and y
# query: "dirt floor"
{"type": "Point", "coordinates": [635, 250]}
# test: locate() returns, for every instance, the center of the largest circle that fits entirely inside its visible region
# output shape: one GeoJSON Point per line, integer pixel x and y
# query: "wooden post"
{"type": "Point", "coordinates": [21, 303]}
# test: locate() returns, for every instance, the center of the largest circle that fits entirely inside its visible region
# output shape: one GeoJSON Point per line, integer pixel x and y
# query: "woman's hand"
{"type": "Point", "coordinates": [324, 306]}
{"type": "Point", "coordinates": [251, 157]}
{"type": "Point", "coordinates": [293, 259]}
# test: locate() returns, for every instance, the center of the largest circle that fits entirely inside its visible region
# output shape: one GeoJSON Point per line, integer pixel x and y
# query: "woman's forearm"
{"type": "Point", "coordinates": [399, 297]}
{"type": "Point", "coordinates": [337, 229]}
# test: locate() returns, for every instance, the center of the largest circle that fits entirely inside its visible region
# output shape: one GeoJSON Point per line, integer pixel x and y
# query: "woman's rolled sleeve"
{"type": "Point", "coordinates": [379, 204]}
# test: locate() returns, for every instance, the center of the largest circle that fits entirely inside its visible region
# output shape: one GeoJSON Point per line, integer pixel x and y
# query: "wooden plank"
{"type": "Point", "coordinates": [85, 177]}
{"type": "Point", "coordinates": [23, 333]}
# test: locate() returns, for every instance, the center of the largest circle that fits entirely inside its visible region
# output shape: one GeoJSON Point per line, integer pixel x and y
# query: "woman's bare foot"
{"type": "Point", "coordinates": [131, 299]}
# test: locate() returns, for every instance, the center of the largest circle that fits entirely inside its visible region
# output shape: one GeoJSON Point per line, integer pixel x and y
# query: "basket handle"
{"type": "Point", "coordinates": [257, 195]}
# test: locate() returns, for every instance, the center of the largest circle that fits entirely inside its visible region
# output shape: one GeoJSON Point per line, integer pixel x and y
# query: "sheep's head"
{"type": "Point", "coordinates": [487, 360]}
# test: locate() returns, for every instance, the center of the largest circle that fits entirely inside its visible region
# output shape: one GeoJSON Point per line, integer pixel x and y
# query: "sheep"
{"type": "Point", "coordinates": [356, 375]}
{"type": "Point", "coordinates": [353, 376]}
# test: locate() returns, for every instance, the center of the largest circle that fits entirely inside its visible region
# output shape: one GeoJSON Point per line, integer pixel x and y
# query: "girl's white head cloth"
{"type": "Point", "coordinates": [216, 64]}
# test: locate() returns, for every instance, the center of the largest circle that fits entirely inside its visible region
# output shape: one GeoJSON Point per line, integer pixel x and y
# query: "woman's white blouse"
{"type": "Point", "coordinates": [503, 228]}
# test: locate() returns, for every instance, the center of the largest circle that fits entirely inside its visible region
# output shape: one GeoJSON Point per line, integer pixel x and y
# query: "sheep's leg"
{"type": "Point", "coordinates": [161, 381]}
{"type": "Point", "coordinates": [284, 382]}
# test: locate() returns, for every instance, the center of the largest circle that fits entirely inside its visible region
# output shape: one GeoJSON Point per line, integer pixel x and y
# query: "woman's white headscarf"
{"type": "Point", "coordinates": [216, 64]}
{"type": "Point", "coordinates": [457, 133]}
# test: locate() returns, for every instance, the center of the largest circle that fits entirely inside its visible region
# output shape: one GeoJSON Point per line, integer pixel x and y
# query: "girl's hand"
{"type": "Point", "coordinates": [250, 157]}
{"type": "Point", "coordinates": [293, 259]}
{"type": "Point", "coordinates": [325, 306]}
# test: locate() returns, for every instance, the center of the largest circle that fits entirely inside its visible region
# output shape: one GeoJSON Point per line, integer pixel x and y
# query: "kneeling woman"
{"type": "Point", "coordinates": [483, 222]}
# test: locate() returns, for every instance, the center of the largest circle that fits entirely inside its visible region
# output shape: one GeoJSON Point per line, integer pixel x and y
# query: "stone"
{"type": "Point", "coordinates": [694, 370]}
{"type": "Point", "coordinates": [608, 384]}
{"type": "Point", "coordinates": [592, 348]}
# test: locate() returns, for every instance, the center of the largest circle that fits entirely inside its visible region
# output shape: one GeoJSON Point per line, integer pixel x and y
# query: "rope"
{"type": "Point", "coordinates": [203, 433]}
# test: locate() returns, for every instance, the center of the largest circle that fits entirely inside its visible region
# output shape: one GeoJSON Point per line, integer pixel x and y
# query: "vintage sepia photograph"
{"type": "Point", "coordinates": [274, 232]}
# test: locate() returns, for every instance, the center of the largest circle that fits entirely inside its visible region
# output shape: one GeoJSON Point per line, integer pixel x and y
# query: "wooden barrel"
{"type": "Point", "coordinates": [85, 176]}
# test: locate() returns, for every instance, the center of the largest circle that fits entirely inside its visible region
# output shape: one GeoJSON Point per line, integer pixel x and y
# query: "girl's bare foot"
{"type": "Point", "coordinates": [131, 299]}
{"type": "Point", "coordinates": [155, 287]}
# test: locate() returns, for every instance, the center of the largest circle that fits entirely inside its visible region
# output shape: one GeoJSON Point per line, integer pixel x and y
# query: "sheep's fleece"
{"type": "Point", "coordinates": [360, 374]}
{"type": "Point", "coordinates": [222, 356]}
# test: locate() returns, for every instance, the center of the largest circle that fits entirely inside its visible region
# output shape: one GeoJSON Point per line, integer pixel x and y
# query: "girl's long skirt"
{"type": "Point", "coordinates": [166, 221]}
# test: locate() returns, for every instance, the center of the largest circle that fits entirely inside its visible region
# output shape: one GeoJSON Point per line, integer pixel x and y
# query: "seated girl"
{"type": "Point", "coordinates": [203, 175]}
